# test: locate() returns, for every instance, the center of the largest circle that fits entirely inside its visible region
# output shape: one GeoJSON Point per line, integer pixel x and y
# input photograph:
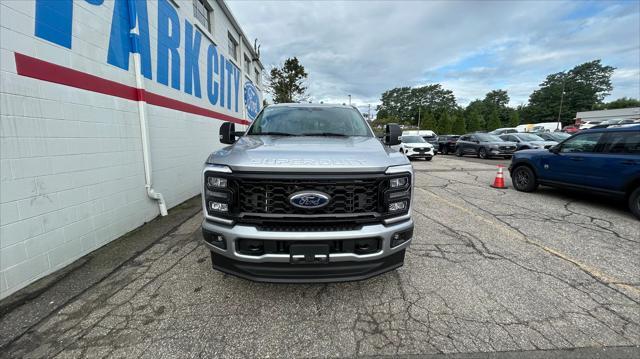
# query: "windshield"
{"type": "Point", "coordinates": [485, 137]}
{"type": "Point", "coordinates": [559, 136]}
{"type": "Point", "coordinates": [529, 137]}
{"type": "Point", "coordinates": [310, 121]}
{"type": "Point", "coordinates": [412, 139]}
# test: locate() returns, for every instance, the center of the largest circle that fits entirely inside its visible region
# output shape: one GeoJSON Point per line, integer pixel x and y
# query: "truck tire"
{"type": "Point", "coordinates": [482, 153]}
{"type": "Point", "coordinates": [634, 202]}
{"type": "Point", "coordinates": [458, 152]}
{"type": "Point", "coordinates": [524, 180]}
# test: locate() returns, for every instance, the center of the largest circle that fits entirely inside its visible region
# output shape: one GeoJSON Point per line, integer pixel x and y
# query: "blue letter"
{"type": "Point", "coordinates": [167, 16]}
{"type": "Point", "coordinates": [191, 56]}
{"type": "Point", "coordinates": [230, 69]}
{"type": "Point", "coordinates": [126, 14]}
{"type": "Point", "coordinates": [54, 21]}
{"type": "Point", "coordinates": [236, 78]}
{"type": "Point", "coordinates": [222, 63]}
{"type": "Point", "coordinates": [212, 67]}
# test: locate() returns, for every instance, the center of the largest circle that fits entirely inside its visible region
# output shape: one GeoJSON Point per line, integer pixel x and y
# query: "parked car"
{"type": "Point", "coordinates": [545, 127]}
{"type": "Point", "coordinates": [615, 122]}
{"type": "Point", "coordinates": [585, 124]}
{"type": "Point", "coordinates": [502, 131]}
{"type": "Point", "coordinates": [554, 136]}
{"type": "Point", "coordinates": [447, 143]}
{"type": "Point", "coordinates": [484, 145]}
{"type": "Point", "coordinates": [570, 129]}
{"type": "Point", "coordinates": [603, 160]}
{"type": "Point", "coordinates": [432, 139]}
{"type": "Point", "coordinates": [415, 147]}
{"type": "Point", "coordinates": [527, 141]}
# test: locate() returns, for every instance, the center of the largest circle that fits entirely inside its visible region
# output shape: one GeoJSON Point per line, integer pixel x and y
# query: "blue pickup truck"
{"type": "Point", "coordinates": [605, 160]}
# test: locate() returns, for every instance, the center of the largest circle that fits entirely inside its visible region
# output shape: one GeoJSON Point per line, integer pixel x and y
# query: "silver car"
{"type": "Point", "coordinates": [527, 141]}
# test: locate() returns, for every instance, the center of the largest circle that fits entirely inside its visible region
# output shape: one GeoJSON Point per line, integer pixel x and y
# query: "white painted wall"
{"type": "Point", "coordinates": [71, 171]}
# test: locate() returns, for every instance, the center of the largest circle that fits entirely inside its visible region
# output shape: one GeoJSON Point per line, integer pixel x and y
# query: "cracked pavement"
{"type": "Point", "coordinates": [488, 271]}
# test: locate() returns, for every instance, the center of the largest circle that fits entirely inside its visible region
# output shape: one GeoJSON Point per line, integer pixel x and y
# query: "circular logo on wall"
{"type": "Point", "coordinates": [251, 100]}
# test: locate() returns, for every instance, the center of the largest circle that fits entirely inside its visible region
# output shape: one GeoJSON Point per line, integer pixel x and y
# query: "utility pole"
{"type": "Point", "coordinates": [418, 120]}
{"type": "Point", "coordinates": [561, 100]}
{"type": "Point", "coordinates": [349, 100]}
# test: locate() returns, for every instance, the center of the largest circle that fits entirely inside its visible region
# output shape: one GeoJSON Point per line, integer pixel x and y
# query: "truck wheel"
{"type": "Point", "coordinates": [482, 153]}
{"type": "Point", "coordinates": [634, 202]}
{"type": "Point", "coordinates": [458, 152]}
{"type": "Point", "coordinates": [524, 180]}
{"type": "Point", "coordinates": [428, 158]}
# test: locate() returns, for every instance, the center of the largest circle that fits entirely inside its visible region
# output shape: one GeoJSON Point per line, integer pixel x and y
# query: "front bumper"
{"type": "Point", "coordinates": [412, 152]}
{"type": "Point", "coordinates": [277, 267]}
{"type": "Point", "coordinates": [498, 152]}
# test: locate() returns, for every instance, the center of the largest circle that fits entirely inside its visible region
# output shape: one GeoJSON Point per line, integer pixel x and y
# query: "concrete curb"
{"type": "Point", "coordinates": [22, 310]}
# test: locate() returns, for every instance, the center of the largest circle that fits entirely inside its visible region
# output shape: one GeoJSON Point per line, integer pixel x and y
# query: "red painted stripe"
{"type": "Point", "coordinates": [38, 69]}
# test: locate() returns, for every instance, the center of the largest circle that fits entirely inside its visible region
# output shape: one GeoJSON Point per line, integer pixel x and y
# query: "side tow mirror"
{"type": "Point", "coordinates": [392, 133]}
{"type": "Point", "coordinates": [555, 149]}
{"type": "Point", "coordinates": [228, 133]}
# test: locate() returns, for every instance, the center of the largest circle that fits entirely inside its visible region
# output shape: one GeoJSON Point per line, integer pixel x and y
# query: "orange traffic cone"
{"type": "Point", "coordinates": [499, 181]}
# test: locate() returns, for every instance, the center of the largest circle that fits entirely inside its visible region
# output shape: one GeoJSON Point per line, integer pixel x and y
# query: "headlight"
{"type": "Point", "coordinates": [216, 182]}
{"type": "Point", "coordinates": [399, 182]}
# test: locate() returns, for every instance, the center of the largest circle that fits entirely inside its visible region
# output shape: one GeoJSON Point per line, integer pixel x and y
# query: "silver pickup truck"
{"type": "Point", "coordinates": [307, 194]}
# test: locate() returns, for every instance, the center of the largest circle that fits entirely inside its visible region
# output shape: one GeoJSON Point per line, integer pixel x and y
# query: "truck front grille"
{"type": "Point", "coordinates": [271, 196]}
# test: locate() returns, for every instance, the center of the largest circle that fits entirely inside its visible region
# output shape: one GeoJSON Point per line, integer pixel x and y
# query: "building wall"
{"type": "Point", "coordinates": [71, 168]}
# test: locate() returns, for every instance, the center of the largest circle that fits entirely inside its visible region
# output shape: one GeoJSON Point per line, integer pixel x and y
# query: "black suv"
{"type": "Point", "coordinates": [447, 143]}
{"type": "Point", "coordinates": [484, 145]}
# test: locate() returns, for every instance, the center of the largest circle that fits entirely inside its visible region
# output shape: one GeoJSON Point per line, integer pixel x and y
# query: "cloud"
{"type": "Point", "coordinates": [471, 47]}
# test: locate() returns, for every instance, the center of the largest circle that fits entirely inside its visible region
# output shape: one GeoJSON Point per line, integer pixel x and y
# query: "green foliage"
{"type": "Point", "coordinates": [514, 119]}
{"type": "Point", "coordinates": [623, 102]}
{"type": "Point", "coordinates": [427, 121]}
{"type": "Point", "coordinates": [475, 122]}
{"type": "Point", "coordinates": [494, 121]}
{"type": "Point", "coordinates": [444, 124]}
{"type": "Point", "coordinates": [585, 86]}
{"type": "Point", "coordinates": [286, 83]}
{"type": "Point", "coordinates": [403, 102]}
{"type": "Point", "coordinates": [458, 127]}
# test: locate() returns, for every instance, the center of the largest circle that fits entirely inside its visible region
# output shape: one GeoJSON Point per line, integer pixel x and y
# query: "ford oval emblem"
{"type": "Point", "coordinates": [309, 200]}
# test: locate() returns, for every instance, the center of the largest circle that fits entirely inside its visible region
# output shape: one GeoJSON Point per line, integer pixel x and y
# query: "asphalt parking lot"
{"type": "Point", "coordinates": [489, 271]}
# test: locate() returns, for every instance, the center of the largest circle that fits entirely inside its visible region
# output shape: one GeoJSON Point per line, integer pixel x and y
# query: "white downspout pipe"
{"type": "Point", "coordinates": [142, 117]}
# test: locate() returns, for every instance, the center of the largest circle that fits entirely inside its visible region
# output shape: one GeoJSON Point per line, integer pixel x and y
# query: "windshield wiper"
{"type": "Point", "coordinates": [324, 134]}
{"type": "Point", "coordinates": [272, 134]}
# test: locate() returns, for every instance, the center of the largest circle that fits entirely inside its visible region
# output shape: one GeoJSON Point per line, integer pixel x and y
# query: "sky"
{"type": "Point", "coordinates": [362, 48]}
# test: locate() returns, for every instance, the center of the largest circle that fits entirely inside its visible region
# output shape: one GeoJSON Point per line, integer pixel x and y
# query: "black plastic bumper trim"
{"type": "Point", "coordinates": [307, 273]}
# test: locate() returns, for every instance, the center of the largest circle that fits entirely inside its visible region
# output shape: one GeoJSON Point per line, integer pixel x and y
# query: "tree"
{"type": "Point", "coordinates": [444, 124]}
{"type": "Point", "coordinates": [475, 122]}
{"type": "Point", "coordinates": [494, 121]}
{"type": "Point", "coordinates": [514, 119]}
{"type": "Point", "coordinates": [458, 127]}
{"type": "Point", "coordinates": [623, 102]}
{"type": "Point", "coordinates": [585, 87]}
{"type": "Point", "coordinates": [427, 121]}
{"type": "Point", "coordinates": [404, 102]}
{"type": "Point", "coordinates": [286, 83]}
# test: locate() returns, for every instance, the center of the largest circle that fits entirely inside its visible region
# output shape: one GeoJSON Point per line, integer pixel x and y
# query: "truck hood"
{"type": "Point", "coordinates": [308, 154]}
